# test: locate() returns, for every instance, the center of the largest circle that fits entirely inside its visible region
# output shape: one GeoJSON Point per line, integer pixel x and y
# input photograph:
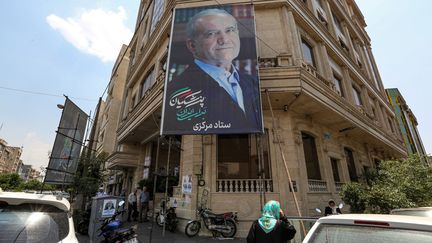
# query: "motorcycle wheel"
{"type": "Point", "coordinates": [172, 226]}
{"type": "Point", "coordinates": [233, 226]}
{"type": "Point", "coordinates": [192, 228]}
{"type": "Point", "coordinates": [160, 219]}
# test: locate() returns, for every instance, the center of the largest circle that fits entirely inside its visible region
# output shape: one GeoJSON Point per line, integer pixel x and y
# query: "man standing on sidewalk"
{"type": "Point", "coordinates": [144, 200]}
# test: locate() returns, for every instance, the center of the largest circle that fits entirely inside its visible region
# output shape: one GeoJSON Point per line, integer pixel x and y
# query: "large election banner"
{"type": "Point", "coordinates": [212, 83]}
{"type": "Point", "coordinates": [64, 158]}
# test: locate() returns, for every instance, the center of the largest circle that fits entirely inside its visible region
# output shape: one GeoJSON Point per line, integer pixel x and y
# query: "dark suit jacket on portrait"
{"type": "Point", "coordinates": [218, 105]}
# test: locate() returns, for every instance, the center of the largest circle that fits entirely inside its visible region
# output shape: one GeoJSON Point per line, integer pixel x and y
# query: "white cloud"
{"type": "Point", "coordinates": [35, 151]}
{"type": "Point", "coordinates": [96, 31]}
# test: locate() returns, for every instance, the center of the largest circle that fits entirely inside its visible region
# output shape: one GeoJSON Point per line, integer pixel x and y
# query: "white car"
{"type": "Point", "coordinates": [28, 217]}
{"type": "Point", "coordinates": [371, 228]}
{"type": "Point", "coordinates": [422, 211]}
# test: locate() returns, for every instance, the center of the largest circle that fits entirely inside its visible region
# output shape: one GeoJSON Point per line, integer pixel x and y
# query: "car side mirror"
{"type": "Point", "coordinates": [318, 210]}
{"type": "Point", "coordinates": [341, 205]}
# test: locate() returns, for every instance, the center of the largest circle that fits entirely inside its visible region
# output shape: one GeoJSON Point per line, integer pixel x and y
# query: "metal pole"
{"type": "Point", "coordinates": [263, 175]}
{"type": "Point", "coordinates": [259, 150]}
{"type": "Point", "coordinates": [166, 185]}
{"type": "Point", "coordinates": [276, 135]}
{"type": "Point", "coordinates": [154, 189]}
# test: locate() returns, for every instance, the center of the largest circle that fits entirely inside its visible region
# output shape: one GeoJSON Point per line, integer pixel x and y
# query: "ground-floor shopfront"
{"type": "Point", "coordinates": [240, 172]}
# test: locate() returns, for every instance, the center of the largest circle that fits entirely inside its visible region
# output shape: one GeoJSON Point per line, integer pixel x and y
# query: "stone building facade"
{"type": "Point", "coordinates": [406, 122]}
{"type": "Point", "coordinates": [324, 105]}
{"type": "Point", "coordinates": [10, 157]}
{"type": "Point", "coordinates": [103, 135]}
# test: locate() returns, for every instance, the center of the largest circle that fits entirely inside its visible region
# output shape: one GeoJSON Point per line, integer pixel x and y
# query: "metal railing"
{"type": "Point", "coordinates": [317, 186]}
{"type": "Point", "coordinates": [243, 185]}
{"type": "Point", "coordinates": [338, 186]}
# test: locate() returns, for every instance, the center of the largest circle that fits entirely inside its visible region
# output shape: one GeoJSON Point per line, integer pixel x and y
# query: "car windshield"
{"type": "Point", "coordinates": [353, 233]}
{"type": "Point", "coordinates": [32, 223]}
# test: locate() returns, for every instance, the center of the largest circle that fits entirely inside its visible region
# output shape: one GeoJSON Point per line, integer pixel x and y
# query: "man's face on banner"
{"type": "Point", "coordinates": [216, 41]}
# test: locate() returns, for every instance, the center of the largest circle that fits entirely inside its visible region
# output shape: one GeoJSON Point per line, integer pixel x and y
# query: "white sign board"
{"type": "Point", "coordinates": [187, 184]}
{"type": "Point", "coordinates": [109, 207]}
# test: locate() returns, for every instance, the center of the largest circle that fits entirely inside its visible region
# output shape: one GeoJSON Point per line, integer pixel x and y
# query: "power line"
{"type": "Point", "coordinates": [42, 93]}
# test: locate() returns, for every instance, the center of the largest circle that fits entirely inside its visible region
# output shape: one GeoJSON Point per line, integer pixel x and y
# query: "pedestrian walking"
{"type": "Point", "coordinates": [132, 206]}
{"type": "Point", "coordinates": [144, 201]}
{"type": "Point", "coordinates": [272, 226]}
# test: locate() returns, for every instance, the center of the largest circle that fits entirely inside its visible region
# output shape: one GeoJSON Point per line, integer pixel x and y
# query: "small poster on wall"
{"type": "Point", "coordinates": [187, 184]}
{"type": "Point", "coordinates": [109, 206]}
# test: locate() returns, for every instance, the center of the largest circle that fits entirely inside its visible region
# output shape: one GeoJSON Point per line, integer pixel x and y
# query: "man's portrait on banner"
{"type": "Point", "coordinates": [213, 84]}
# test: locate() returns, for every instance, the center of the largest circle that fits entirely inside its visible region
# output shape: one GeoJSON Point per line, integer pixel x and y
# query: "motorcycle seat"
{"type": "Point", "coordinates": [215, 215]}
{"type": "Point", "coordinates": [122, 230]}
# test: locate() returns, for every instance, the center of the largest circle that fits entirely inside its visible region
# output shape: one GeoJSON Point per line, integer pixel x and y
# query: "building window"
{"type": "Point", "coordinates": [311, 157]}
{"type": "Point", "coordinates": [351, 164]}
{"type": "Point", "coordinates": [338, 84]}
{"type": "Point", "coordinates": [147, 82]}
{"type": "Point", "coordinates": [157, 13]}
{"type": "Point", "coordinates": [126, 105]}
{"type": "Point", "coordinates": [391, 125]}
{"type": "Point", "coordinates": [238, 156]}
{"type": "Point", "coordinates": [357, 96]}
{"type": "Point", "coordinates": [335, 168]}
{"type": "Point", "coordinates": [308, 55]}
{"type": "Point", "coordinates": [319, 10]}
{"type": "Point", "coordinates": [134, 101]}
{"type": "Point", "coordinates": [339, 33]}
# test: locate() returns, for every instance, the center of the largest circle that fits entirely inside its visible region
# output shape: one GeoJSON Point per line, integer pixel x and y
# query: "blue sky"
{"type": "Point", "coordinates": [38, 56]}
{"type": "Point", "coordinates": [68, 47]}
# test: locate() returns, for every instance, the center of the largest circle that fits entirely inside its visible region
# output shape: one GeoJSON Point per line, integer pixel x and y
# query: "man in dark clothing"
{"type": "Point", "coordinates": [144, 200]}
{"type": "Point", "coordinates": [332, 209]}
{"type": "Point", "coordinates": [272, 226]}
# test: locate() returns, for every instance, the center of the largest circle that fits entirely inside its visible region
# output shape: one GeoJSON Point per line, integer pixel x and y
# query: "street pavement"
{"type": "Point", "coordinates": [176, 237]}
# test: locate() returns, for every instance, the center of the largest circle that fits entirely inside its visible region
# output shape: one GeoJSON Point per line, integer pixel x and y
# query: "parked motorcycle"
{"type": "Point", "coordinates": [167, 217]}
{"type": "Point", "coordinates": [111, 231]}
{"type": "Point", "coordinates": [224, 224]}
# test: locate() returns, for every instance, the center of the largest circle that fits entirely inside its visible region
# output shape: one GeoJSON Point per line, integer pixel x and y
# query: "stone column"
{"type": "Point", "coordinates": [294, 39]}
{"type": "Point", "coordinates": [375, 70]}
{"type": "Point", "coordinates": [325, 62]}
{"type": "Point", "coordinates": [190, 165]}
{"type": "Point", "coordinates": [366, 99]}
{"type": "Point", "coordinates": [329, 14]}
{"type": "Point", "coordinates": [347, 87]}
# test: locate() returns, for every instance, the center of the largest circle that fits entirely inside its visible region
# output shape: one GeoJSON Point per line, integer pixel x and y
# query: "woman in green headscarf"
{"type": "Point", "coordinates": [272, 226]}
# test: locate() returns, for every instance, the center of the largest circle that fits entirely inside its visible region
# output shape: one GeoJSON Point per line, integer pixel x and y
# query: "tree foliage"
{"type": "Point", "coordinates": [396, 184]}
{"type": "Point", "coordinates": [13, 182]}
{"type": "Point", "coordinates": [89, 174]}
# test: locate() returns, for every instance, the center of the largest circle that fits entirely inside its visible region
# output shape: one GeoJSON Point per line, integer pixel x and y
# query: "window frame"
{"type": "Point", "coordinates": [305, 43]}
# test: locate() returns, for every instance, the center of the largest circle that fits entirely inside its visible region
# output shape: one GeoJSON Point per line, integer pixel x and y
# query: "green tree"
{"type": "Point", "coordinates": [36, 185]}
{"type": "Point", "coordinates": [10, 182]}
{"type": "Point", "coordinates": [89, 175]}
{"type": "Point", "coordinates": [396, 184]}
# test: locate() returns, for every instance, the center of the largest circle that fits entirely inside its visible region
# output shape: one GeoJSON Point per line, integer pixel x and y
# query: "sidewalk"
{"type": "Point", "coordinates": [176, 237]}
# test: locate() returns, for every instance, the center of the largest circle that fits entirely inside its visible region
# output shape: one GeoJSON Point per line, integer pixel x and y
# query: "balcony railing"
{"type": "Point", "coordinates": [317, 186]}
{"type": "Point", "coordinates": [338, 186]}
{"type": "Point", "coordinates": [244, 185]}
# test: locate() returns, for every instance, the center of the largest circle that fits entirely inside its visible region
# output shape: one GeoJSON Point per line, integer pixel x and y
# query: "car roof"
{"type": "Point", "coordinates": [16, 198]}
{"type": "Point", "coordinates": [380, 220]}
{"type": "Point", "coordinates": [412, 209]}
